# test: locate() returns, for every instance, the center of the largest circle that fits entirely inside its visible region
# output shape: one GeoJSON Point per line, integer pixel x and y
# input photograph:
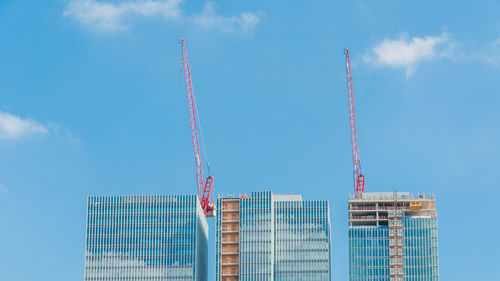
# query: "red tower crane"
{"type": "Point", "coordinates": [203, 189]}
{"type": "Point", "coordinates": [359, 178]}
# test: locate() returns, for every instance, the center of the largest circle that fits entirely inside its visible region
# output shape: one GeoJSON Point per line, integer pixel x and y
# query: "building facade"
{"type": "Point", "coordinates": [393, 237]}
{"type": "Point", "coordinates": [267, 237]}
{"type": "Point", "coordinates": [145, 238]}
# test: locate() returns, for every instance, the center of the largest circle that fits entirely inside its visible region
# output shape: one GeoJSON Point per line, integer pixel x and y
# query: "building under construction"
{"type": "Point", "coordinates": [393, 236]}
{"type": "Point", "coordinates": [266, 237]}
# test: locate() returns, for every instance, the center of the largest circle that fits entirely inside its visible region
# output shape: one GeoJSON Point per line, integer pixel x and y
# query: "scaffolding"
{"type": "Point", "coordinates": [230, 239]}
{"type": "Point", "coordinates": [396, 241]}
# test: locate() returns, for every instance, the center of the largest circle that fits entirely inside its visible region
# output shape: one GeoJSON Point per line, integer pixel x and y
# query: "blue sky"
{"type": "Point", "coordinates": [92, 103]}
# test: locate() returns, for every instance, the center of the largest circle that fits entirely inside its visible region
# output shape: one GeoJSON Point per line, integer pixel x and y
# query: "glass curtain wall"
{"type": "Point", "coordinates": [302, 241]}
{"type": "Point", "coordinates": [256, 237]}
{"type": "Point", "coordinates": [421, 249]}
{"type": "Point", "coordinates": [369, 251]}
{"type": "Point", "coordinates": [145, 238]}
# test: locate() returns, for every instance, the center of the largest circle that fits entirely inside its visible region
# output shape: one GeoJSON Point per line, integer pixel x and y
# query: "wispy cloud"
{"type": "Point", "coordinates": [61, 131]}
{"type": "Point", "coordinates": [209, 19]}
{"type": "Point", "coordinates": [109, 17]}
{"type": "Point", "coordinates": [106, 16]}
{"type": "Point", "coordinates": [14, 127]}
{"type": "Point", "coordinates": [3, 189]}
{"type": "Point", "coordinates": [490, 54]}
{"type": "Point", "coordinates": [407, 53]}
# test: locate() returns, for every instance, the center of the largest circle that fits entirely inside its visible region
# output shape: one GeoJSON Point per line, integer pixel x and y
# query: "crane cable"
{"type": "Point", "coordinates": [201, 133]}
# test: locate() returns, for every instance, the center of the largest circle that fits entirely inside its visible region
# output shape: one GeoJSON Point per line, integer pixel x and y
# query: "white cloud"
{"type": "Point", "coordinates": [13, 127]}
{"type": "Point", "coordinates": [209, 19]}
{"type": "Point", "coordinates": [491, 54]}
{"type": "Point", "coordinates": [408, 53]}
{"type": "Point", "coordinates": [112, 16]}
{"type": "Point", "coordinates": [107, 16]}
{"type": "Point", "coordinates": [3, 189]}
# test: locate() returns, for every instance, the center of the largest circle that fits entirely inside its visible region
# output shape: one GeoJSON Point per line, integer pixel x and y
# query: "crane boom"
{"type": "Point", "coordinates": [203, 189]}
{"type": "Point", "coordinates": [359, 178]}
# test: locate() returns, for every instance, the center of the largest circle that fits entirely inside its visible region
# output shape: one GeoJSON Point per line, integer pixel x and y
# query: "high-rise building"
{"type": "Point", "coordinates": [267, 237]}
{"type": "Point", "coordinates": [393, 237]}
{"type": "Point", "coordinates": [145, 238]}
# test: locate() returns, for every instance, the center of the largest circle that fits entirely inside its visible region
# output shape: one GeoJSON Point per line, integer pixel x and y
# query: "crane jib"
{"type": "Point", "coordinates": [358, 177]}
{"type": "Point", "coordinates": [204, 190]}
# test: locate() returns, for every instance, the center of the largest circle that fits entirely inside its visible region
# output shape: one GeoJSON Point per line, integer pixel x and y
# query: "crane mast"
{"type": "Point", "coordinates": [359, 178]}
{"type": "Point", "coordinates": [203, 189]}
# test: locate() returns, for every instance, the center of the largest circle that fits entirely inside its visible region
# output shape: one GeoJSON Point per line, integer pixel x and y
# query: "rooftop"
{"type": "Point", "coordinates": [275, 196]}
{"type": "Point", "coordinates": [391, 196]}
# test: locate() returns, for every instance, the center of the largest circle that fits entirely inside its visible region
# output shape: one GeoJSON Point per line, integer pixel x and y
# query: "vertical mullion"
{"type": "Point", "coordinates": [101, 240]}
{"type": "Point", "coordinates": [114, 227]}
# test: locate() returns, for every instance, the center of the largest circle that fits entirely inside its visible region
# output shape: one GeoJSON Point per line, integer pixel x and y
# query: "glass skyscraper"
{"type": "Point", "coordinates": [393, 237]}
{"type": "Point", "coordinates": [145, 238]}
{"type": "Point", "coordinates": [267, 237]}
